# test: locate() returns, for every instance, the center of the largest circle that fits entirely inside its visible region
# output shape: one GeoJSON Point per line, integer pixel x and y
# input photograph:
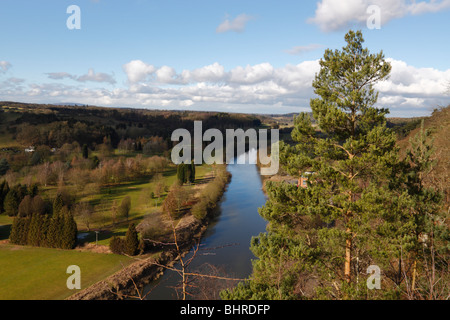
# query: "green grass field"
{"type": "Point", "coordinates": [141, 204]}
{"type": "Point", "coordinates": [40, 273]}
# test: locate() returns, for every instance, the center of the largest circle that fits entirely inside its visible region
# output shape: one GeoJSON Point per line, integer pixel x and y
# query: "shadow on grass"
{"type": "Point", "coordinates": [113, 192]}
{"type": "Point", "coordinates": [5, 230]}
{"type": "Point", "coordinates": [105, 233]}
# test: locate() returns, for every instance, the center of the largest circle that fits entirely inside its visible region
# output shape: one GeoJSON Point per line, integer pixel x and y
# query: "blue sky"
{"type": "Point", "coordinates": [238, 56]}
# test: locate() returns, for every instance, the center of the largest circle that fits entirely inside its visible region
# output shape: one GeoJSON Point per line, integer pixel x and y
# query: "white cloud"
{"type": "Point", "coordinates": [90, 76]}
{"type": "Point", "coordinates": [166, 74]}
{"type": "Point", "coordinates": [236, 25]}
{"type": "Point", "coordinates": [410, 81]}
{"type": "Point", "coordinates": [251, 74]}
{"type": "Point", "coordinates": [60, 75]}
{"type": "Point", "coordinates": [334, 15]}
{"type": "Point", "coordinates": [4, 66]}
{"type": "Point", "coordinates": [210, 73]}
{"type": "Point", "coordinates": [252, 88]}
{"type": "Point", "coordinates": [96, 77]}
{"type": "Point", "coordinates": [137, 70]}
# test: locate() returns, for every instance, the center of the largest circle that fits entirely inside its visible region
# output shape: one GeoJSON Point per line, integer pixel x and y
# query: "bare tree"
{"type": "Point", "coordinates": [188, 286]}
{"type": "Point", "coordinates": [85, 212]}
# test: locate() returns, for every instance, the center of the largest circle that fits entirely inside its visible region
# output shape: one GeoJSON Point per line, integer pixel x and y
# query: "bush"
{"type": "Point", "coordinates": [117, 245]}
{"type": "Point", "coordinates": [211, 195]}
{"type": "Point", "coordinates": [129, 245]}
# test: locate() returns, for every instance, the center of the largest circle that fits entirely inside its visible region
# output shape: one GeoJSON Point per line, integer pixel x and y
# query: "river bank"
{"type": "Point", "coordinates": [225, 246]}
{"type": "Point", "coordinates": [189, 231]}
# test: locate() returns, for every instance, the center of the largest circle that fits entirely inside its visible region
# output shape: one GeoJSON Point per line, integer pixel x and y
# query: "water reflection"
{"type": "Point", "coordinates": [224, 249]}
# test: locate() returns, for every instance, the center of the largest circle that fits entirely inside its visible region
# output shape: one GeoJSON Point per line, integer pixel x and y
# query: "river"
{"type": "Point", "coordinates": [226, 242]}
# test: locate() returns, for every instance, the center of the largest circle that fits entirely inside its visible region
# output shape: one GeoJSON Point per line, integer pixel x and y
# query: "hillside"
{"type": "Point", "coordinates": [439, 124]}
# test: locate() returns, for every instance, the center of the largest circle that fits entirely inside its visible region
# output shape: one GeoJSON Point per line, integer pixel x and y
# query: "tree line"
{"type": "Point", "coordinates": [55, 230]}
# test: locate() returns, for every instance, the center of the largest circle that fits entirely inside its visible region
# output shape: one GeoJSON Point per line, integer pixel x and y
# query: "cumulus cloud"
{"type": "Point", "coordinates": [138, 70]}
{"type": "Point", "coordinates": [253, 88]}
{"type": "Point", "coordinates": [331, 15]}
{"type": "Point", "coordinates": [210, 73]}
{"type": "Point", "coordinates": [409, 81]}
{"type": "Point", "coordinates": [252, 74]}
{"type": "Point", "coordinates": [237, 24]}
{"type": "Point", "coordinates": [4, 66]}
{"type": "Point", "coordinates": [166, 74]}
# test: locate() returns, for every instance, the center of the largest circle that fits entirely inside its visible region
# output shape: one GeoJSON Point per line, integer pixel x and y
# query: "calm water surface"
{"type": "Point", "coordinates": [237, 221]}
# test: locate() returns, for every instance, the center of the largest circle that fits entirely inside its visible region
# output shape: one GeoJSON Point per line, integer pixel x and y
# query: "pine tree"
{"type": "Point", "coordinates": [187, 173]}
{"type": "Point", "coordinates": [55, 230]}
{"type": "Point", "coordinates": [58, 204]}
{"type": "Point", "coordinates": [4, 189]}
{"type": "Point", "coordinates": [15, 231]}
{"type": "Point", "coordinates": [35, 230]}
{"type": "Point", "coordinates": [11, 203]}
{"type": "Point", "coordinates": [45, 225]}
{"type": "Point", "coordinates": [192, 172]}
{"type": "Point", "coordinates": [321, 232]}
{"type": "Point", "coordinates": [429, 233]}
{"type": "Point", "coordinates": [69, 231]}
{"type": "Point", "coordinates": [181, 173]}
{"type": "Point", "coordinates": [131, 240]}
{"type": "Point", "coordinates": [24, 230]}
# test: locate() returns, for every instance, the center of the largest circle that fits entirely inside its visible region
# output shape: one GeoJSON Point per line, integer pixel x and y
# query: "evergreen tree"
{"type": "Point", "coordinates": [69, 231]}
{"type": "Point", "coordinates": [4, 166]}
{"type": "Point", "coordinates": [45, 225]}
{"type": "Point", "coordinates": [15, 231]}
{"type": "Point", "coordinates": [4, 189]}
{"type": "Point", "coordinates": [55, 229]}
{"type": "Point", "coordinates": [58, 204]}
{"type": "Point", "coordinates": [11, 203]}
{"type": "Point", "coordinates": [430, 236]}
{"type": "Point", "coordinates": [24, 229]}
{"type": "Point", "coordinates": [187, 173]}
{"type": "Point", "coordinates": [85, 151]}
{"type": "Point", "coordinates": [181, 173]}
{"type": "Point", "coordinates": [131, 240]}
{"type": "Point", "coordinates": [192, 176]}
{"type": "Point", "coordinates": [321, 232]}
{"type": "Point", "coordinates": [34, 232]}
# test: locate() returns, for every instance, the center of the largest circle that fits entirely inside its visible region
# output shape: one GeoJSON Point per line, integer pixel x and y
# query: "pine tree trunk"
{"type": "Point", "coordinates": [348, 256]}
{"type": "Point", "coordinates": [413, 285]}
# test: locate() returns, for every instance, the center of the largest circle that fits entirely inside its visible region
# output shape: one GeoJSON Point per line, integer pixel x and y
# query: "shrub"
{"type": "Point", "coordinates": [117, 245]}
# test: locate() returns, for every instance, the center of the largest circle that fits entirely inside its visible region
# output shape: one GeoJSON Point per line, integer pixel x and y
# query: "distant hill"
{"type": "Point", "coordinates": [71, 104]}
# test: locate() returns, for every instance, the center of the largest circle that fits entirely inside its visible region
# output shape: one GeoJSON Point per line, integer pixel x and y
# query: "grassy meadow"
{"type": "Point", "coordinates": [40, 273]}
